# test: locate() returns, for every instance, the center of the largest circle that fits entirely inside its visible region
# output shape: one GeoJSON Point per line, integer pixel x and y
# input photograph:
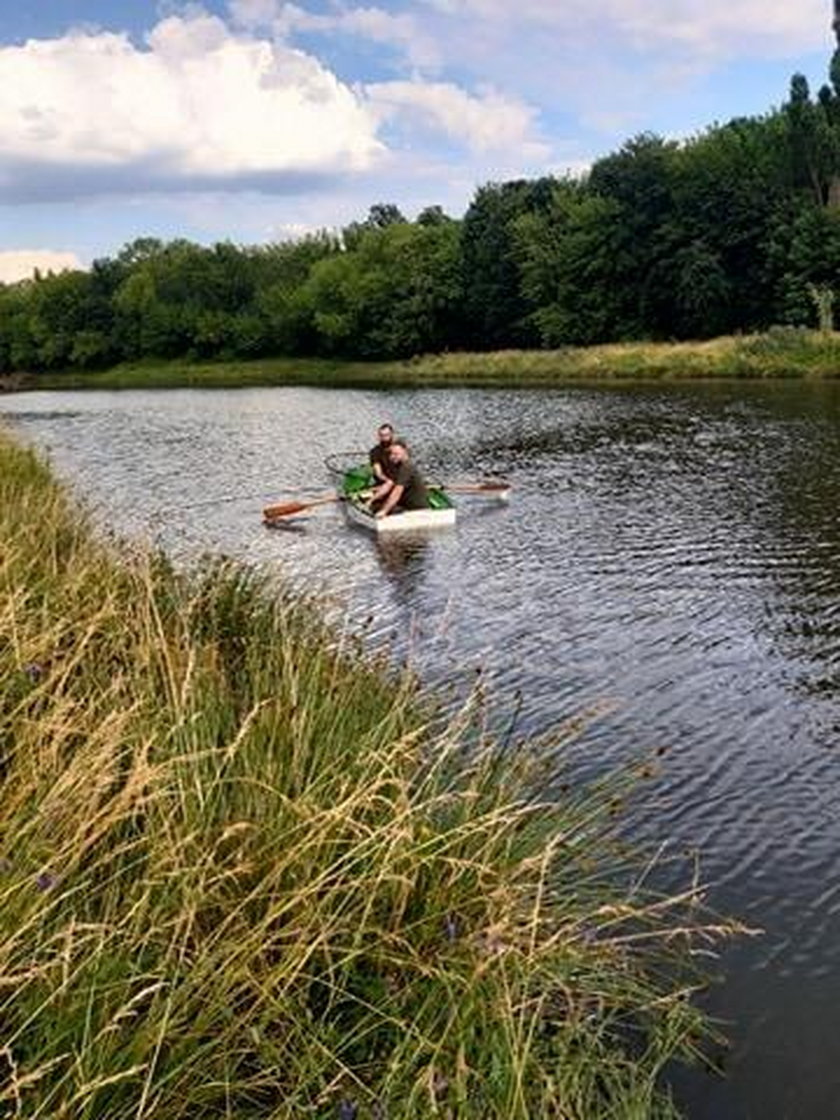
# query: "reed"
{"type": "Point", "coordinates": [246, 872]}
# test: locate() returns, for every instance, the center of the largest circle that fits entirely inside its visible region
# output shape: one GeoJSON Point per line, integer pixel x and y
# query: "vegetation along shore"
{"type": "Point", "coordinates": [783, 352]}
{"type": "Point", "coordinates": [247, 871]}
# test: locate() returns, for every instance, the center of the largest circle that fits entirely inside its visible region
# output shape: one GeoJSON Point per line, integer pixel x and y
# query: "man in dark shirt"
{"type": "Point", "coordinates": [380, 455]}
{"type": "Point", "coordinates": [406, 490]}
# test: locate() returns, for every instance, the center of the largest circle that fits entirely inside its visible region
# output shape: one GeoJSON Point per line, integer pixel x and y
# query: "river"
{"type": "Point", "coordinates": [669, 564]}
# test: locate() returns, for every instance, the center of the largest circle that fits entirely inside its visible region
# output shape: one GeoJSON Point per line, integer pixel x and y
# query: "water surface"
{"type": "Point", "coordinates": [671, 560]}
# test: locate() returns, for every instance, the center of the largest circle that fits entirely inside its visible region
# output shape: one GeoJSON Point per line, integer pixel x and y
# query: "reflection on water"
{"type": "Point", "coordinates": [288, 525]}
{"type": "Point", "coordinates": [402, 555]}
{"type": "Point", "coordinates": [671, 559]}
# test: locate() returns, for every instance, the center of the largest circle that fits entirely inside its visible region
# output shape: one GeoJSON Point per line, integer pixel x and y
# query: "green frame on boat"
{"type": "Point", "coordinates": [358, 480]}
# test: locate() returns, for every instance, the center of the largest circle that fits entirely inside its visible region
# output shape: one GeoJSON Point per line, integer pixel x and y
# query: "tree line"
{"type": "Point", "coordinates": [734, 230]}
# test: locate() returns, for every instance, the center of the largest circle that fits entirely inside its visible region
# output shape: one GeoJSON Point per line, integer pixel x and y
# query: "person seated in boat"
{"type": "Point", "coordinates": [406, 489]}
{"type": "Point", "coordinates": [380, 455]}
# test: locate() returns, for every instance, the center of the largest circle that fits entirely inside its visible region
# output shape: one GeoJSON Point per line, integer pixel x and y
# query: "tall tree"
{"type": "Point", "coordinates": [497, 312]}
{"type": "Point", "coordinates": [814, 142]}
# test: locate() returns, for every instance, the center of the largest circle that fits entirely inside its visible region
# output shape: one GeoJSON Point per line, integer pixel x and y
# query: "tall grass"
{"type": "Point", "coordinates": [247, 873]}
{"type": "Point", "coordinates": [779, 353]}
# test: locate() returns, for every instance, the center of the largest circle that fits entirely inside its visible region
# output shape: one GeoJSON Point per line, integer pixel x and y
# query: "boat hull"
{"type": "Point", "coordinates": [407, 520]}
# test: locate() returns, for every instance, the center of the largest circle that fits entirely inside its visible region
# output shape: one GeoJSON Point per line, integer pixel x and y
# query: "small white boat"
{"type": "Point", "coordinates": [355, 492]}
{"type": "Point", "coordinates": [355, 485]}
{"type": "Point", "coordinates": [359, 512]}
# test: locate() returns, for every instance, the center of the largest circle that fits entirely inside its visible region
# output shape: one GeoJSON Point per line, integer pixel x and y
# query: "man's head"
{"type": "Point", "coordinates": [386, 435]}
{"type": "Point", "coordinates": [398, 452]}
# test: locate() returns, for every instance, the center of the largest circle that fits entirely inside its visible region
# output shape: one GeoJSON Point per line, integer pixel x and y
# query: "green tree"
{"type": "Point", "coordinates": [639, 183]}
{"type": "Point", "coordinates": [281, 272]}
{"type": "Point", "coordinates": [701, 292]}
{"type": "Point", "coordinates": [813, 139]}
{"type": "Point", "coordinates": [398, 293]}
{"type": "Point", "coordinates": [18, 349]}
{"type": "Point", "coordinates": [384, 214]}
{"type": "Point", "coordinates": [497, 311]}
{"type": "Point", "coordinates": [573, 262]}
{"type": "Point", "coordinates": [811, 263]}
{"type": "Point", "coordinates": [70, 321]}
{"type": "Point", "coordinates": [380, 216]}
{"type": "Point", "coordinates": [183, 299]}
{"type": "Point", "coordinates": [730, 187]}
{"type": "Point", "coordinates": [432, 216]}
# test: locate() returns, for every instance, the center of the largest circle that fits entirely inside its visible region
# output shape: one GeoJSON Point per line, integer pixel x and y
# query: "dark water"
{"type": "Point", "coordinates": [670, 558]}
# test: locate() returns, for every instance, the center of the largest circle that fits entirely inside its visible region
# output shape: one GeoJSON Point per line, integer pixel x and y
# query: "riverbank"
{"type": "Point", "coordinates": [780, 353]}
{"type": "Point", "coordinates": [245, 871]}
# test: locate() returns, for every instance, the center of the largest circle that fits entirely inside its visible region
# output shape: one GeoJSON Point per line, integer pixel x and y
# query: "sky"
{"type": "Point", "coordinates": [260, 120]}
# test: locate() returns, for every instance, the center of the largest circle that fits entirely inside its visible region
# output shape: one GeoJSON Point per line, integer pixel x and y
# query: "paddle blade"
{"type": "Point", "coordinates": [500, 489]}
{"type": "Point", "coordinates": [286, 509]}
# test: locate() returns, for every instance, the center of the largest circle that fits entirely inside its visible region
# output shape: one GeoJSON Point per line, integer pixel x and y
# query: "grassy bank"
{"type": "Point", "coordinates": [244, 875]}
{"type": "Point", "coordinates": [780, 353]}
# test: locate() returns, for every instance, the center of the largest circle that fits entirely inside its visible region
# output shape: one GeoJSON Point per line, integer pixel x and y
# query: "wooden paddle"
{"type": "Point", "coordinates": [287, 509]}
{"type": "Point", "coordinates": [477, 487]}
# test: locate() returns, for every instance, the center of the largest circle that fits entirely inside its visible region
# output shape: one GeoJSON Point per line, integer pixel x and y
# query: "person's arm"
{"type": "Point", "coordinates": [395, 492]}
{"type": "Point", "coordinates": [376, 466]}
{"type": "Point", "coordinates": [381, 490]}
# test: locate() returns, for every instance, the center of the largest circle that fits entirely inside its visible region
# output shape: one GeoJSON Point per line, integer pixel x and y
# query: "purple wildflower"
{"type": "Point", "coordinates": [45, 882]}
{"type": "Point", "coordinates": [348, 1110]}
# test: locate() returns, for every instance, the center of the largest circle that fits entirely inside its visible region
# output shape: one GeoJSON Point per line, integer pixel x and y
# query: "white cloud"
{"type": "Point", "coordinates": [402, 30]}
{"type": "Point", "coordinates": [484, 123]}
{"type": "Point", "coordinates": [197, 103]}
{"type": "Point", "coordinates": [203, 105]}
{"type": "Point", "coordinates": [255, 14]}
{"type": "Point", "coordinates": [19, 264]}
{"type": "Point", "coordinates": [716, 27]}
{"type": "Point", "coordinates": [753, 27]}
{"type": "Point", "coordinates": [614, 66]}
{"type": "Point", "coordinates": [433, 30]}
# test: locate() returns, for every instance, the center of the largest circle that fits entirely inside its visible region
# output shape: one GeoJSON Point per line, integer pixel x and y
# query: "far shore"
{"type": "Point", "coordinates": [781, 353]}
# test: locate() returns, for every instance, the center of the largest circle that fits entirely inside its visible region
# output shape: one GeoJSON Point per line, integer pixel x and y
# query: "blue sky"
{"type": "Point", "coordinates": [255, 120]}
